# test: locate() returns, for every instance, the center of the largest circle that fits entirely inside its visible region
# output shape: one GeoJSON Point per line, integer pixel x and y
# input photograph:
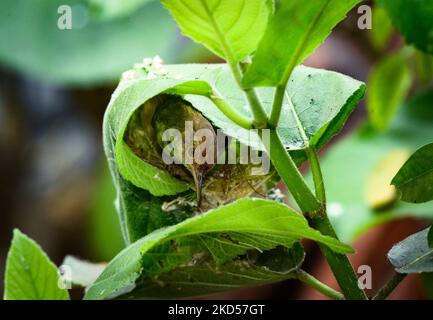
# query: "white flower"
{"type": "Point", "coordinates": [147, 62]}
{"type": "Point", "coordinates": [153, 66]}
{"type": "Point", "coordinates": [157, 61]}
{"type": "Point", "coordinates": [128, 75]}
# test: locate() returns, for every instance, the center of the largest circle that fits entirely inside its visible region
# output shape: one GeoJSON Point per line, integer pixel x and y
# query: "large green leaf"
{"type": "Point", "coordinates": [294, 32]}
{"type": "Point", "coordinates": [415, 178]}
{"type": "Point", "coordinates": [348, 164]}
{"type": "Point", "coordinates": [229, 28]}
{"type": "Point", "coordinates": [94, 51]}
{"type": "Point", "coordinates": [388, 86]}
{"type": "Point", "coordinates": [316, 106]}
{"type": "Point", "coordinates": [128, 97]}
{"type": "Point", "coordinates": [209, 242]}
{"type": "Point", "coordinates": [413, 254]}
{"type": "Point", "coordinates": [30, 275]}
{"type": "Point", "coordinates": [413, 19]}
{"type": "Point", "coordinates": [318, 103]}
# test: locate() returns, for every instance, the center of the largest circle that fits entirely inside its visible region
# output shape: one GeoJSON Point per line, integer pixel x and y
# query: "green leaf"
{"type": "Point", "coordinates": [146, 176]}
{"type": "Point", "coordinates": [83, 273]}
{"type": "Point", "coordinates": [413, 19]}
{"type": "Point", "coordinates": [304, 121]}
{"type": "Point", "coordinates": [30, 275]}
{"type": "Point", "coordinates": [413, 254]}
{"type": "Point", "coordinates": [415, 178]}
{"type": "Point", "coordinates": [205, 279]}
{"type": "Point", "coordinates": [230, 29]}
{"type": "Point", "coordinates": [295, 31]}
{"type": "Point", "coordinates": [359, 154]}
{"type": "Point", "coordinates": [319, 100]}
{"type": "Point", "coordinates": [245, 225]}
{"type": "Point", "coordinates": [389, 84]}
{"type": "Point", "coordinates": [128, 97]}
{"type": "Point", "coordinates": [93, 52]}
{"type": "Point", "coordinates": [110, 9]}
{"type": "Point", "coordinates": [317, 104]}
{"type": "Point", "coordinates": [382, 30]}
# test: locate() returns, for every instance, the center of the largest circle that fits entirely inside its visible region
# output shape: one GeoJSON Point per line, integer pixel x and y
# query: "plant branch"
{"type": "Point", "coordinates": [318, 285]}
{"type": "Point", "coordinates": [390, 286]}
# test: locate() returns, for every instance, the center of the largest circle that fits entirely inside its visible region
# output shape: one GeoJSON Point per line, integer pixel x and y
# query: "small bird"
{"type": "Point", "coordinates": [174, 113]}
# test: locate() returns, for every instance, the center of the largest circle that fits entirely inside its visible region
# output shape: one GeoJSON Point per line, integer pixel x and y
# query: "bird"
{"type": "Point", "coordinates": [175, 113]}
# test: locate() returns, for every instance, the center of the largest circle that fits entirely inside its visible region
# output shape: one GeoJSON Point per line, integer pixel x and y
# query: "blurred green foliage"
{"type": "Point", "coordinates": [104, 235]}
{"type": "Point", "coordinates": [95, 51]}
{"type": "Point", "coordinates": [348, 164]}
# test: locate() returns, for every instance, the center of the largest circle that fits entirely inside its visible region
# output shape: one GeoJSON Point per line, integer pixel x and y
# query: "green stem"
{"type": "Point", "coordinates": [290, 174]}
{"type": "Point", "coordinates": [260, 116]}
{"type": "Point", "coordinates": [317, 174]}
{"type": "Point", "coordinates": [390, 286]}
{"type": "Point", "coordinates": [277, 106]}
{"type": "Point", "coordinates": [232, 114]}
{"type": "Point", "coordinates": [319, 286]}
{"type": "Point", "coordinates": [339, 263]}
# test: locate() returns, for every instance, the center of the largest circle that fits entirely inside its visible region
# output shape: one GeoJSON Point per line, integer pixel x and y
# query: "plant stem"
{"type": "Point", "coordinates": [277, 106]}
{"type": "Point", "coordinates": [317, 174]}
{"type": "Point", "coordinates": [260, 116]}
{"type": "Point", "coordinates": [290, 174]}
{"type": "Point", "coordinates": [318, 285]}
{"type": "Point", "coordinates": [339, 263]}
{"type": "Point", "coordinates": [390, 286]}
{"type": "Point", "coordinates": [232, 114]}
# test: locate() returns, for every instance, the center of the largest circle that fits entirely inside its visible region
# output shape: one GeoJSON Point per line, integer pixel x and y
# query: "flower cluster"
{"type": "Point", "coordinates": [153, 68]}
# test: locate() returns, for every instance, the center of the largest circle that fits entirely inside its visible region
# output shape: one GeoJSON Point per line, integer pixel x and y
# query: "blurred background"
{"type": "Point", "coordinates": [55, 85]}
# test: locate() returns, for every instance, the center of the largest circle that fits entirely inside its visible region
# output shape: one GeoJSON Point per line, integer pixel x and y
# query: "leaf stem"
{"type": "Point", "coordinates": [260, 116]}
{"type": "Point", "coordinates": [231, 113]}
{"type": "Point", "coordinates": [390, 286]}
{"type": "Point", "coordinates": [277, 106]}
{"type": "Point", "coordinates": [317, 174]}
{"type": "Point", "coordinates": [327, 291]}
